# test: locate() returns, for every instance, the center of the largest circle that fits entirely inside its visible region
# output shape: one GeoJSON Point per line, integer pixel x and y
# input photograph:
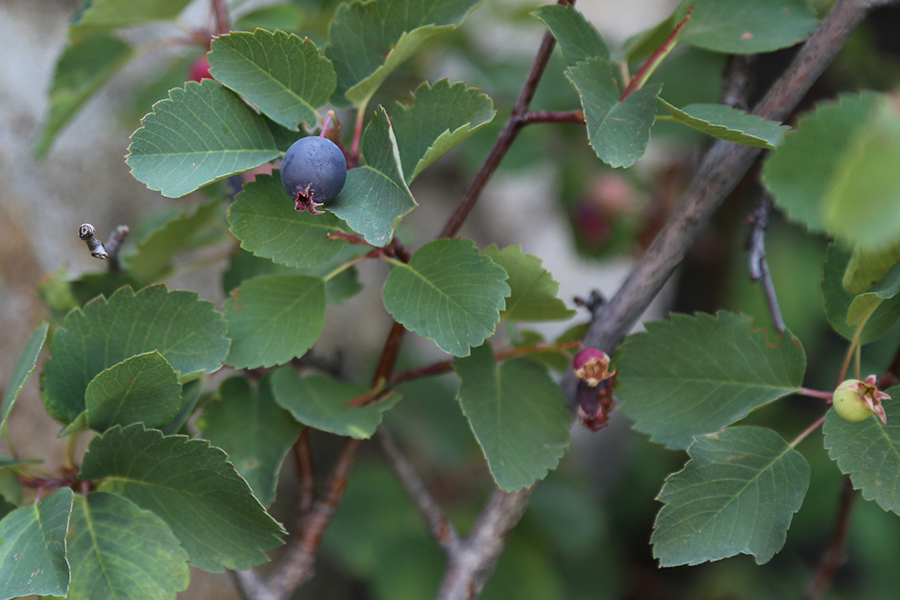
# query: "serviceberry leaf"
{"type": "Point", "coordinates": [274, 318]}
{"type": "Point", "coordinates": [737, 495]}
{"type": "Point", "coordinates": [187, 332]}
{"type": "Point", "coordinates": [450, 293]}
{"type": "Point", "coordinates": [371, 39]}
{"type": "Point", "coordinates": [103, 15]}
{"type": "Point", "coordinates": [253, 430]}
{"type": "Point", "coordinates": [867, 267]}
{"type": "Point", "coordinates": [84, 66]}
{"type": "Point", "coordinates": [192, 487]}
{"type": "Point", "coordinates": [739, 27]}
{"type": "Point", "coordinates": [865, 182]}
{"type": "Point", "coordinates": [880, 314]}
{"type": "Point", "coordinates": [140, 389]}
{"type": "Point", "coordinates": [33, 547]}
{"type": "Point", "coordinates": [118, 550]}
{"type": "Point", "coordinates": [25, 364]}
{"type": "Point", "coordinates": [577, 38]}
{"type": "Point", "coordinates": [799, 174]}
{"type": "Point", "coordinates": [375, 196]}
{"type": "Point", "coordinates": [244, 265]}
{"type": "Point", "coordinates": [283, 75]}
{"type": "Point", "coordinates": [440, 117]}
{"type": "Point", "coordinates": [534, 292]}
{"type": "Point", "coordinates": [869, 451]}
{"type": "Point", "coordinates": [328, 404]}
{"type": "Point", "coordinates": [152, 259]}
{"type": "Point", "coordinates": [518, 415]}
{"type": "Point", "coordinates": [729, 124]}
{"type": "Point", "coordinates": [201, 133]}
{"type": "Point", "coordinates": [265, 220]}
{"type": "Point", "coordinates": [618, 131]}
{"type": "Point", "coordinates": [697, 374]}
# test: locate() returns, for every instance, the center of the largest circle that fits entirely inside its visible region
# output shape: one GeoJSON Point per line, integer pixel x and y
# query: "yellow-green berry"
{"type": "Point", "coordinates": [855, 400]}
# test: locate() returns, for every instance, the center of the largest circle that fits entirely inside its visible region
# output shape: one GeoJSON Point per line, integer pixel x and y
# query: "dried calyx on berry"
{"type": "Point", "coordinates": [313, 172]}
{"type": "Point", "coordinates": [855, 400]}
{"type": "Point", "coordinates": [594, 393]}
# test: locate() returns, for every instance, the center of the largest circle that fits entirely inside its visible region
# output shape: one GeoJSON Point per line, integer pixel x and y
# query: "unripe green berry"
{"type": "Point", "coordinates": [856, 400]}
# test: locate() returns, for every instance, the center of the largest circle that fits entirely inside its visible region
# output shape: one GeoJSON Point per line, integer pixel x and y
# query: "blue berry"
{"type": "Point", "coordinates": [313, 172]}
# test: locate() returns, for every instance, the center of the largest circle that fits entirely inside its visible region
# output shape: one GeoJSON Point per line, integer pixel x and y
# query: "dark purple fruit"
{"type": "Point", "coordinates": [313, 172]}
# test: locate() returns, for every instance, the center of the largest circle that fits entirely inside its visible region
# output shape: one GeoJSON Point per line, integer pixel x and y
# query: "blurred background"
{"type": "Point", "coordinates": [586, 533]}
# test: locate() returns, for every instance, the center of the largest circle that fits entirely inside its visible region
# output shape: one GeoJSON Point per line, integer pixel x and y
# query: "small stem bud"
{"type": "Point", "coordinates": [86, 233]}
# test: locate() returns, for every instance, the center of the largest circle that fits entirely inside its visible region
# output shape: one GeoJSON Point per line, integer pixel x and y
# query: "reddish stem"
{"type": "Point", "coordinates": [816, 394]}
{"type": "Point", "coordinates": [553, 116]}
{"type": "Point", "coordinates": [635, 81]}
{"type": "Point", "coordinates": [223, 23]}
{"type": "Point", "coordinates": [306, 480]}
{"type": "Point", "coordinates": [834, 554]}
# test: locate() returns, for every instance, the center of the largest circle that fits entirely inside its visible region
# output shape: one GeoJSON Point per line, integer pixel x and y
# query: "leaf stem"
{"type": "Point", "coordinates": [816, 394]}
{"type": "Point", "coordinates": [818, 423]}
{"type": "Point", "coordinates": [850, 352]}
{"type": "Point", "coordinates": [553, 116]}
{"type": "Point", "coordinates": [353, 159]}
{"type": "Point", "coordinates": [341, 268]}
{"type": "Point", "coordinates": [69, 452]}
{"type": "Point", "coordinates": [646, 70]}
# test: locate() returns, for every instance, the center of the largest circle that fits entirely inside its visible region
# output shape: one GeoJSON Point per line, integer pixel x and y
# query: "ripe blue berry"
{"type": "Point", "coordinates": [313, 172]}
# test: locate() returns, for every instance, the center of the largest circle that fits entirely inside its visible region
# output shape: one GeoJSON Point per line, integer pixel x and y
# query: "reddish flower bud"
{"type": "Point", "coordinates": [592, 366]}
{"type": "Point", "coordinates": [595, 402]}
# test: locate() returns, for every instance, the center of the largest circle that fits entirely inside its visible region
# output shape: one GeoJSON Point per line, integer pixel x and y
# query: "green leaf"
{"type": "Point", "coordinates": [696, 375]}
{"type": "Point", "coordinates": [869, 451]}
{"type": "Point", "coordinates": [865, 182]}
{"type": "Point", "coordinates": [864, 305]}
{"type": "Point", "coordinates": [577, 38]}
{"type": "Point", "coordinates": [253, 430]}
{"type": "Point", "coordinates": [799, 173]}
{"type": "Point", "coordinates": [729, 124]}
{"type": "Point", "coordinates": [440, 117]}
{"type": "Point", "coordinates": [152, 260]}
{"type": "Point", "coordinates": [103, 15]}
{"type": "Point", "coordinates": [188, 332]}
{"type": "Point", "coordinates": [533, 296]}
{"type": "Point", "coordinates": [737, 494]}
{"type": "Point", "coordinates": [119, 551]}
{"type": "Point", "coordinates": [517, 413]}
{"type": "Point", "coordinates": [274, 318]}
{"type": "Point", "coordinates": [265, 220]}
{"type": "Point", "coordinates": [283, 75]}
{"type": "Point", "coordinates": [371, 39]}
{"type": "Point", "coordinates": [618, 131]}
{"type": "Point", "coordinates": [450, 293]}
{"type": "Point", "coordinates": [33, 548]}
{"type": "Point", "coordinates": [244, 266]}
{"type": "Point", "coordinates": [200, 134]}
{"type": "Point", "coordinates": [740, 27]}
{"type": "Point", "coordinates": [326, 404]}
{"type": "Point", "coordinates": [189, 485]}
{"type": "Point", "coordinates": [837, 301]}
{"type": "Point", "coordinates": [375, 197]}
{"type": "Point", "coordinates": [25, 364]}
{"type": "Point", "coordinates": [84, 66]}
{"type": "Point", "coordinates": [866, 267]}
{"type": "Point", "coordinates": [141, 389]}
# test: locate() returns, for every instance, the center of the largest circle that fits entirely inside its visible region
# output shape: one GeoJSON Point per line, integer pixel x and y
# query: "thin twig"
{"type": "Point", "coordinates": [835, 554]}
{"type": "Point", "coordinates": [469, 568]}
{"type": "Point", "coordinates": [440, 526]}
{"type": "Point", "coordinates": [756, 257]}
{"type": "Point", "coordinates": [220, 11]}
{"type": "Point", "coordinates": [553, 116]}
{"type": "Point", "coordinates": [306, 477]}
{"type": "Point", "coordinates": [297, 565]}
{"type": "Point", "coordinates": [507, 135]}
